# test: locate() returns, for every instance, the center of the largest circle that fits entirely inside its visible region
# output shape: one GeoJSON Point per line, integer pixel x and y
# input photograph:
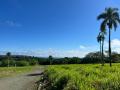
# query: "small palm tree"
{"type": "Point", "coordinates": [8, 54]}
{"type": "Point", "coordinates": [110, 19]}
{"type": "Point", "coordinates": [50, 59]}
{"type": "Point", "coordinates": [100, 39]}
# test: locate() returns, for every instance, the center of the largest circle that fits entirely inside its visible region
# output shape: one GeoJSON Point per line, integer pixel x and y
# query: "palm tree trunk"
{"type": "Point", "coordinates": [102, 54]}
{"type": "Point", "coordinates": [50, 62]}
{"type": "Point", "coordinates": [110, 47]}
{"type": "Point", "coordinates": [8, 62]}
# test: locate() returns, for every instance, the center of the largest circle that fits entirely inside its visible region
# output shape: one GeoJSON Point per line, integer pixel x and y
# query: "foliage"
{"type": "Point", "coordinates": [33, 62]}
{"type": "Point", "coordinates": [22, 63]}
{"type": "Point", "coordinates": [83, 77]}
{"type": "Point", "coordinates": [92, 57]}
{"type": "Point", "coordinates": [5, 63]}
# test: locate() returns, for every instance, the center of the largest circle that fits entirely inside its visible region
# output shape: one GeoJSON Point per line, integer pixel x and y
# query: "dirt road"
{"type": "Point", "coordinates": [26, 81]}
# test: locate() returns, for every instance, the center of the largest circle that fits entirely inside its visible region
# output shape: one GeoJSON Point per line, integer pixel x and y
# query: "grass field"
{"type": "Point", "coordinates": [5, 71]}
{"type": "Point", "coordinates": [83, 77]}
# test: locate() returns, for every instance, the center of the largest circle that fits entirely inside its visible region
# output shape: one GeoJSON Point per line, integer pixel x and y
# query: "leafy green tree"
{"type": "Point", "coordinates": [100, 39]}
{"type": "Point", "coordinates": [115, 57]}
{"type": "Point", "coordinates": [75, 60]}
{"type": "Point", "coordinates": [92, 57]}
{"type": "Point", "coordinates": [110, 19]}
{"type": "Point", "coordinates": [66, 60]}
{"type": "Point", "coordinates": [33, 62]}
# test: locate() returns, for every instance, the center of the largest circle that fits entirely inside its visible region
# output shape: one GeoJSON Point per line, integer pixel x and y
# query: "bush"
{"type": "Point", "coordinates": [4, 63]}
{"type": "Point", "coordinates": [12, 62]}
{"type": "Point", "coordinates": [22, 63]}
{"type": "Point", "coordinates": [0, 63]}
{"type": "Point", "coordinates": [33, 62]}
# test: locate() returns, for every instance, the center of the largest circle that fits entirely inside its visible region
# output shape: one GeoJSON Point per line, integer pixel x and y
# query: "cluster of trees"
{"type": "Point", "coordinates": [17, 60]}
{"type": "Point", "coordinates": [110, 19]}
{"type": "Point", "coordinates": [20, 60]}
{"type": "Point", "coordinates": [95, 57]}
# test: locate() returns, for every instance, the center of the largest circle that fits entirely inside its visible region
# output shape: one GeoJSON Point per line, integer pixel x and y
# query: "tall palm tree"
{"type": "Point", "coordinates": [100, 39]}
{"type": "Point", "coordinates": [111, 20]}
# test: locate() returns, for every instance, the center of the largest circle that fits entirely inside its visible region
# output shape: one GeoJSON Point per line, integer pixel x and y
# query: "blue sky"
{"type": "Point", "coordinates": [57, 27]}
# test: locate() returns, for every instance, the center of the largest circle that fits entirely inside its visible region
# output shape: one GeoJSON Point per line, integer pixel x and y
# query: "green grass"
{"type": "Point", "coordinates": [83, 77]}
{"type": "Point", "coordinates": [6, 72]}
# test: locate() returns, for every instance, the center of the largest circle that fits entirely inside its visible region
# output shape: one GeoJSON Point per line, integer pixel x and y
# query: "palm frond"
{"type": "Point", "coordinates": [114, 24]}
{"type": "Point", "coordinates": [103, 26]}
{"type": "Point", "coordinates": [110, 9]}
{"type": "Point", "coordinates": [101, 37]}
{"type": "Point", "coordinates": [116, 15]}
{"type": "Point", "coordinates": [98, 38]}
{"type": "Point", "coordinates": [102, 16]}
{"type": "Point", "coordinates": [115, 9]}
{"type": "Point", "coordinates": [118, 20]}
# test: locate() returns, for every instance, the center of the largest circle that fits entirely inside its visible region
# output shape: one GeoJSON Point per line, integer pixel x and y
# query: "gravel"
{"type": "Point", "coordinates": [27, 81]}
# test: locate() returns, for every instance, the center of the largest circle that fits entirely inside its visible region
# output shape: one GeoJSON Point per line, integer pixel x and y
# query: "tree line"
{"type": "Point", "coordinates": [9, 60]}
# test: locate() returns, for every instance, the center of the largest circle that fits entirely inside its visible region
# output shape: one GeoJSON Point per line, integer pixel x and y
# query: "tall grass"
{"type": "Point", "coordinates": [83, 77]}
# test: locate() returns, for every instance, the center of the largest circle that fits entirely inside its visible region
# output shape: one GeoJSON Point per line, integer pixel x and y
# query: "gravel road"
{"type": "Point", "coordinates": [26, 81]}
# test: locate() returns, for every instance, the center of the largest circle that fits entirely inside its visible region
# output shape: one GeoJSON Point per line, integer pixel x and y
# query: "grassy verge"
{"type": "Point", "coordinates": [5, 71]}
{"type": "Point", "coordinates": [82, 77]}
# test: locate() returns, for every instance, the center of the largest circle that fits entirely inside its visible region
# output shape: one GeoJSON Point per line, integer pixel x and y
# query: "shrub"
{"type": "Point", "coordinates": [4, 63]}
{"type": "Point", "coordinates": [33, 62]}
{"type": "Point", "coordinates": [22, 63]}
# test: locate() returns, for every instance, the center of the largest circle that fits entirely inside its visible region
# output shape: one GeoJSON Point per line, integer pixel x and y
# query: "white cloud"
{"type": "Point", "coordinates": [79, 52]}
{"type": "Point", "coordinates": [10, 23]}
{"type": "Point", "coordinates": [60, 53]}
{"type": "Point", "coordinates": [53, 52]}
{"type": "Point", "coordinates": [115, 45]}
{"type": "Point", "coordinates": [82, 47]}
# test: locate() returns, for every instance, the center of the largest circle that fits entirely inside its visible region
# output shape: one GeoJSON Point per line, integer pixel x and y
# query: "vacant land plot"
{"type": "Point", "coordinates": [83, 77]}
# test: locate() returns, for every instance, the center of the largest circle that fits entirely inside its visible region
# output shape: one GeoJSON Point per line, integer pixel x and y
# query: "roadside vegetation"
{"type": "Point", "coordinates": [81, 77]}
